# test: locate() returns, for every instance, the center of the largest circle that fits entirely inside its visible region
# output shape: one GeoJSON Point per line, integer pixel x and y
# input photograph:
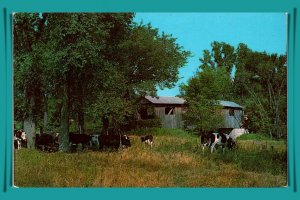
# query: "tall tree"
{"type": "Point", "coordinates": [145, 59]}
{"type": "Point", "coordinates": [81, 40]}
{"type": "Point", "coordinates": [261, 84]}
{"type": "Point", "coordinates": [221, 55]}
{"type": "Point", "coordinates": [93, 62]}
{"type": "Point", "coordinates": [28, 29]}
{"type": "Point", "coordinates": [202, 93]}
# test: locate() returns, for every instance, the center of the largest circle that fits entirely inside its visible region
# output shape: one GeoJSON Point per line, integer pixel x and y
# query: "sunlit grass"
{"type": "Point", "coordinates": [174, 161]}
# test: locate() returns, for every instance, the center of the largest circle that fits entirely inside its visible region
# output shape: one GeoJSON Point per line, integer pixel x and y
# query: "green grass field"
{"type": "Point", "coordinates": [174, 161]}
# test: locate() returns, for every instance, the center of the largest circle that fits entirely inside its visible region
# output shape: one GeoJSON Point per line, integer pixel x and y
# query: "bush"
{"type": "Point", "coordinates": [142, 124]}
{"type": "Point", "coordinates": [149, 123]}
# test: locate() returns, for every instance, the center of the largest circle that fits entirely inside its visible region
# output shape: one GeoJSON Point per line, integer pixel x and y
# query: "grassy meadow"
{"type": "Point", "coordinates": [174, 161]}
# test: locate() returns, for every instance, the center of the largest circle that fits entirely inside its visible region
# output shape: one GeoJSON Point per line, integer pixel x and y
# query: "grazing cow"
{"type": "Point", "coordinates": [231, 144]}
{"type": "Point", "coordinates": [113, 141]}
{"type": "Point", "coordinates": [83, 139]}
{"type": "Point", "coordinates": [212, 139]}
{"type": "Point", "coordinates": [205, 140]}
{"type": "Point", "coordinates": [148, 139]}
{"type": "Point", "coordinates": [20, 139]}
{"type": "Point", "coordinates": [225, 130]}
{"type": "Point", "coordinates": [125, 141]}
{"type": "Point", "coordinates": [44, 142]}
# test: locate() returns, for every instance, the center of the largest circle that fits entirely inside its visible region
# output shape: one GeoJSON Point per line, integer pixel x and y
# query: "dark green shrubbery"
{"type": "Point", "coordinates": [148, 123]}
{"type": "Point", "coordinates": [142, 124]}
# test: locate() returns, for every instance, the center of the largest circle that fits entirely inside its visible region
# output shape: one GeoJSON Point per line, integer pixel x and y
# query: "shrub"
{"type": "Point", "coordinates": [142, 124]}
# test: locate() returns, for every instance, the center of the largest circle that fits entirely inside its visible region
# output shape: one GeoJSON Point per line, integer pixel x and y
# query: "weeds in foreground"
{"type": "Point", "coordinates": [174, 161]}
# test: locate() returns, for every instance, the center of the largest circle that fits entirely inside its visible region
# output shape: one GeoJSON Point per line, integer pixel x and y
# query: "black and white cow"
{"type": "Point", "coordinates": [221, 139]}
{"type": "Point", "coordinates": [75, 139]}
{"type": "Point", "coordinates": [20, 139]}
{"type": "Point", "coordinates": [148, 139]}
{"type": "Point", "coordinates": [113, 141]}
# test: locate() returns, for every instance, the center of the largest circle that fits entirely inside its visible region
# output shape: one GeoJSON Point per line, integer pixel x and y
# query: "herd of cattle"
{"type": "Point", "coordinates": [50, 142]}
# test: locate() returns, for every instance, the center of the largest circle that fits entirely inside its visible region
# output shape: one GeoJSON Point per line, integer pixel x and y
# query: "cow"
{"type": "Point", "coordinates": [20, 139]}
{"type": "Point", "coordinates": [17, 143]}
{"type": "Point", "coordinates": [113, 141]}
{"type": "Point", "coordinates": [75, 139]}
{"type": "Point", "coordinates": [212, 139]}
{"type": "Point", "coordinates": [238, 132]}
{"type": "Point", "coordinates": [205, 140]}
{"type": "Point", "coordinates": [44, 142]}
{"type": "Point", "coordinates": [148, 139]}
{"type": "Point", "coordinates": [95, 141]}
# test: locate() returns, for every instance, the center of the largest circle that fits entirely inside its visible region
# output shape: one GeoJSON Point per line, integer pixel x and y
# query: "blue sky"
{"type": "Point", "coordinates": [196, 31]}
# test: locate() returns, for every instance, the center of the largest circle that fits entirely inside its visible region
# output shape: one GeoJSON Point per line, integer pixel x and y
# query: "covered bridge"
{"type": "Point", "coordinates": [170, 110]}
{"type": "Point", "coordinates": [232, 113]}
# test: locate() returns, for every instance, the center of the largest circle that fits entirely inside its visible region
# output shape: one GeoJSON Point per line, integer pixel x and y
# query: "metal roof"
{"type": "Point", "coordinates": [229, 104]}
{"type": "Point", "coordinates": [165, 100]}
{"type": "Point", "coordinates": [180, 101]}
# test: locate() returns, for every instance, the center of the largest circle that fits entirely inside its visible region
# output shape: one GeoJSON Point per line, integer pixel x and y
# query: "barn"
{"type": "Point", "coordinates": [170, 110]}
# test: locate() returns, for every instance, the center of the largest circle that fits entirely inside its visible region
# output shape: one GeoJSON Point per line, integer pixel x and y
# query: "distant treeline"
{"type": "Point", "coordinates": [255, 80]}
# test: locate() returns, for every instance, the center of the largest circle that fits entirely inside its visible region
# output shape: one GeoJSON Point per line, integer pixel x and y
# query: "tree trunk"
{"type": "Point", "coordinates": [105, 125]}
{"type": "Point", "coordinates": [45, 120]}
{"type": "Point", "coordinates": [81, 122]}
{"type": "Point", "coordinates": [80, 112]}
{"type": "Point", "coordinates": [64, 121]}
{"type": "Point", "coordinates": [29, 128]}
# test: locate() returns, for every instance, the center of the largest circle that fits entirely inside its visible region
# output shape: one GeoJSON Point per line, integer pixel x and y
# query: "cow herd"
{"type": "Point", "coordinates": [50, 142]}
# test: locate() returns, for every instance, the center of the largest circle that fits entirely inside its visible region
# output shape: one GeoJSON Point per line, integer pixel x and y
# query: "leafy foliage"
{"type": "Point", "coordinates": [259, 84]}
{"type": "Point", "coordinates": [68, 65]}
{"type": "Point", "coordinates": [202, 93]}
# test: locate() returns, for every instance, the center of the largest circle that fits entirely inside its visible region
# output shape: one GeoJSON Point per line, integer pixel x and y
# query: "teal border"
{"type": "Point", "coordinates": [8, 7]}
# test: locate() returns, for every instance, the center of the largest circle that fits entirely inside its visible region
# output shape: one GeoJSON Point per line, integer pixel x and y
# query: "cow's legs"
{"type": "Point", "coordinates": [19, 144]}
{"type": "Point", "coordinates": [223, 148]}
{"type": "Point", "coordinates": [212, 148]}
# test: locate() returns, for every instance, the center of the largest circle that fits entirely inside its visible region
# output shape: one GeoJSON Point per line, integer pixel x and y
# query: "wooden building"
{"type": "Point", "coordinates": [232, 113]}
{"type": "Point", "coordinates": [170, 110]}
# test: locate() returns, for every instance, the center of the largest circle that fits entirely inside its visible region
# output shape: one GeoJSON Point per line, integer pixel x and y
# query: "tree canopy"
{"type": "Point", "coordinates": [96, 65]}
{"type": "Point", "coordinates": [259, 84]}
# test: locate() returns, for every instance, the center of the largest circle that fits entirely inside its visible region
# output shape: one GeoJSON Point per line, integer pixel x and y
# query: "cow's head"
{"type": "Point", "coordinates": [23, 135]}
{"type": "Point", "coordinates": [231, 144]}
